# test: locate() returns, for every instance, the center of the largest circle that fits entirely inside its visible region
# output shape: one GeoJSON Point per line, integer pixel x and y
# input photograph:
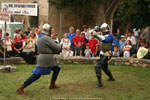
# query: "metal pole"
{"type": "Point", "coordinates": [60, 25]}
{"type": "Point", "coordinates": [5, 42]}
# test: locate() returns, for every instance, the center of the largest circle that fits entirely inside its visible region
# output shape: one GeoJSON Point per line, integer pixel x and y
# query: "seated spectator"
{"type": "Point", "coordinates": [122, 43]}
{"type": "Point", "coordinates": [18, 46]}
{"type": "Point", "coordinates": [115, 43]}
{"type": "Point", "coordinates": [65, 42]}
{"type": "Point", "coordinates": [28, 52]}
{"type": "Point", "coordinates": [118, 34]}
{"type": "Point", "coordinates": [8, 45]}
{"type": "Point", "coordinates": [86, 41]}
{"type": "Point", "coordinates": [93, 46]}
{"type": "Point", "coordinates": [78, 43]}
{"type": "Point", "coordinates": [88, 52]}
{"type": "Point", "coordinates": [32, 37]}
{"type": "Point", "coordinates": [127, 49]}
{"type": "Point", "coordinates": [143, 51]}
{"type": "Point", "coordinates": [86, 32]}
{"type": "Point", "coordinates": [69, 52]}
{"type": "Point", "coordinates": [116, 52]}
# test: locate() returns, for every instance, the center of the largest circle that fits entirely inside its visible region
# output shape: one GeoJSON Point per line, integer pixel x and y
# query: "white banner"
{"type": "Point", "coordinates": [29, 9]}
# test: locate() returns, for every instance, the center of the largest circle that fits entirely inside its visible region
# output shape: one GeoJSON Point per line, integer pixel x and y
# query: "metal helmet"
{"type": "Point", "coordinates": [46, 29]}
{"type": "Point", "coordinates": [105, 27]}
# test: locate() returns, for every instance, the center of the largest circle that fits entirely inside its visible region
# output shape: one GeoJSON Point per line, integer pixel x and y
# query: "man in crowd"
{"type": "Point", "coordinates": [122, 43]}
{"type": "Point", "coordinates": [147, 36]}
{"type": "Point", "coordinates": [78, 43]}
{"type": "Point", "coordinates": [71, 34]}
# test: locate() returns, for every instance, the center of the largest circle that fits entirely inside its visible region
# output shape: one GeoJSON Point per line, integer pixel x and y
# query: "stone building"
{"type": "Point", "coordinates": [60, 20]}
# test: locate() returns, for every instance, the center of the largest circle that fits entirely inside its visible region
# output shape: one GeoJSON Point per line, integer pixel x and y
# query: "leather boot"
{"type": "Point", "coordinates": [53, 85]}
{"type": "Point", "coordinates": [110, 76]}
{"type": "Point", "coordinates": [20, 90]}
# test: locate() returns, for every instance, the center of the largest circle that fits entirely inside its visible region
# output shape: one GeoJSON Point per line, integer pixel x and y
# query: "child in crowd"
{"type": "Point", "coordinates": [93, 46]}
{"type": "Point", "coordinates": [65, 42]}
{"type": "Point", "coordinates": [69, 52]}
{"type": "Point", "coordinates": [87, 51]}
{"type": "Point", "coordinates": [127, 49]}
{"type": "Point", "coordinates": [116, 51]}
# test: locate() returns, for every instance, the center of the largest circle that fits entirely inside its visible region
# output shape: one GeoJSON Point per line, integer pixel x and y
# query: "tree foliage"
{"type": "Point", "coordinates": [134, 12]}
{"type": "Point", "coordinates": [82, 8]}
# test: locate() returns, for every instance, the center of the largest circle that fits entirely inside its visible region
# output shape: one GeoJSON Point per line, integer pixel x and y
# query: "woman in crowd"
{"type": "Point", "coordinates": [28, 52]}
{"type": "Point", "coordinates": [18, 46]}
{"type": "Point", "coordinates": [8, 45]}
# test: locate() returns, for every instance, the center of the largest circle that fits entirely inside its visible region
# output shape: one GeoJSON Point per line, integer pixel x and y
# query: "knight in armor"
{"type": "Point", "coordinates": [45, 61]}
{"type": "Point", "coordinates": [106, 40]}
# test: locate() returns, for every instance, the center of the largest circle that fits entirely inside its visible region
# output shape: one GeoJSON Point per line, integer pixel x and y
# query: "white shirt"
{"type": "Point", "coordinates": [136, 32]}
{"type": "Point", "coordinates": [9, 45]}
{"type": "Point", "coordinates": [132, 39]}
{"type": "Point", "coordinates": [87, 34]}
{"type": "Point", "coordinates": [88, 52]}
{"type": "Point", "coordinates": [65, 42]}
{"type": "Point", "coordinates": [69, 53]}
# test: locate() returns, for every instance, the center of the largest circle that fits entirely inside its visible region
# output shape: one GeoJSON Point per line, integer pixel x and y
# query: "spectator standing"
{"type": "Point", "coordinates": [136, 33]}
{"type": "Point", "coordinates": [122, 43]}
{"type": "Point", "coordinates": [87, 51]}
{"type": "Point", "coordinates": [71, 35]}
{"type": "Point", "coordinates": [133, 42]}
{"type": "Point", "coordinates": [93, 46]}
{"type": "Point", "coordinates": [115, 42]}
{"type": "Point", "coordinates": [86, 32]}
{"type": "Point", "coordinates": [78, 43]}
{"type": "Point", "coordinates": [127, 49]}
{"type": "Point", "coordinates": [86, 41]}
{"type": "Point", "coordinates": [65, 42]}
{"type": "Point", "coordinates": [147, 36]}
{"type": "Point", "coordinates": [116, 52]}
{"type": "Point", "coordinates": [118, 34]}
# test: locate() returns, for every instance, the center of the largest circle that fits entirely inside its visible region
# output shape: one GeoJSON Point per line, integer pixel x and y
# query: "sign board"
{"type": "Point", "coordinates": [29, 9]}
{"type": "Point", "coordinates": [4, 17]}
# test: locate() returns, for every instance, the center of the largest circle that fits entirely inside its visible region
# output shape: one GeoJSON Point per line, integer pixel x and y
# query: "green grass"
{"type": "Point", "coordinates": [77, 81]}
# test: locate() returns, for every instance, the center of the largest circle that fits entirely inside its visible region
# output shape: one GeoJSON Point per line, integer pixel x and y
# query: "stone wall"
{"type": "Point", "coordinates": [85, 60]}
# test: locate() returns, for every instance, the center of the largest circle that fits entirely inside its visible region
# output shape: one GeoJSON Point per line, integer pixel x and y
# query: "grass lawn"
{"type": "Point", "coordinates": [77, 81]}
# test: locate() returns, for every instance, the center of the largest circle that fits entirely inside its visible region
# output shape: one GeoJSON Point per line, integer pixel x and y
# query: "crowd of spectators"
{"type": "Point", "coordinates": [74, 43]}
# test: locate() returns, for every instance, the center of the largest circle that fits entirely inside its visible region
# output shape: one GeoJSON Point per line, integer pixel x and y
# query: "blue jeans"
{"type": "Point", "coordinates": [35, 77]}
{"type": "Point", "coordinates": [93, 54]}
